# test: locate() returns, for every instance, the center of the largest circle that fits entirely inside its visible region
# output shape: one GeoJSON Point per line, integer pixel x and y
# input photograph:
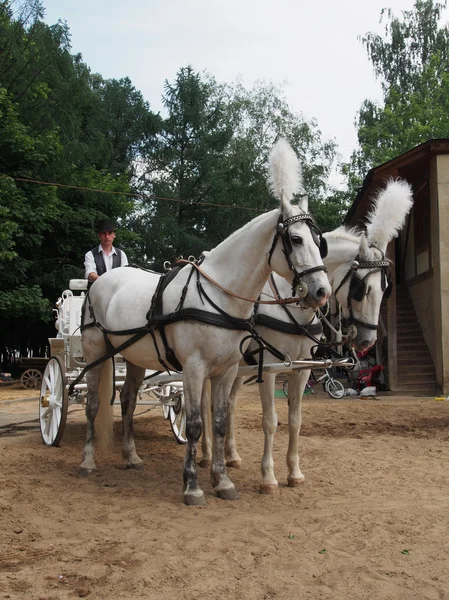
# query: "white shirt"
{"type": "Point", "coordinates": [91, 267]}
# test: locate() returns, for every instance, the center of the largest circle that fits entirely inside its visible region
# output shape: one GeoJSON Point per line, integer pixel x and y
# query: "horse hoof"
{"type": "Point", "coordinates": [295, 482]}
{"type": "Point", "coordinates": [204, 463]}
{"type": "Point", "coordinates": [136, 466]}
{"type": "Point", "coordinates": [84, 471]}
{"type": "Point", "coordinates": [268, 488]}
{"type": "Point", "coordinates": [228, 494]}
{"type": "Point", "coordinates": [192, 499]}
{"type": "Point", "coordinates": [234, 464]}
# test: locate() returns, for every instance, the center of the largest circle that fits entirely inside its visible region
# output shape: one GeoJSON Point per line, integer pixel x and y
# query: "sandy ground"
{"type": "Point", "coordinates": [371, 520]}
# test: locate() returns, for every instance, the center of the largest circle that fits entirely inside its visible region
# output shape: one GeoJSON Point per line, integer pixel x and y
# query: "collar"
{"type": "Point", "coordinates": [100, 249]}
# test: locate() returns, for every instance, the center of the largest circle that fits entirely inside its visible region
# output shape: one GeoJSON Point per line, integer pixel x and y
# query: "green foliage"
{"type": "Point", "coordinates": [412, 63]}
{"type": "Point", "coordinates": [58, 123]}
{"type": "Point", "coordinates": [61, 123]}
{"type": "Point", "coordinates": [213, 148]}
{"type": "Point", "coordinates": [24, 302]}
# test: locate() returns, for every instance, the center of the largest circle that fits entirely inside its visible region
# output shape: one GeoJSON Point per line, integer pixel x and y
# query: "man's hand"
{"type": "Point", "coordinates": [92, 277]}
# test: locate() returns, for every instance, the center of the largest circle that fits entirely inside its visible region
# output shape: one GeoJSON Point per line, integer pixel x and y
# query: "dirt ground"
{"type": "Point", "coordinates": [371, 521]}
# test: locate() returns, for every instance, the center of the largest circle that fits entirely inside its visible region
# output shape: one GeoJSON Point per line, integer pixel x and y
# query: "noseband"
{"type": "Point", "coordinates": [358, 287]}
{"type": "Point", "coordinates": [299, 287]}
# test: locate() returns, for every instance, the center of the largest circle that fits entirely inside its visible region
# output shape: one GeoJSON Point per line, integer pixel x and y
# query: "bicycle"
{"type": "Point", "coordinates": [332, 386]}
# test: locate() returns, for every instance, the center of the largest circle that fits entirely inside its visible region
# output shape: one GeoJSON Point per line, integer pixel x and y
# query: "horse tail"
{"type": "Point", "coordinates": [390, 209]}
{"type": "Point", "coordinates": [104, 422]}
{"type": "Point", "coordinates": [284, 174]}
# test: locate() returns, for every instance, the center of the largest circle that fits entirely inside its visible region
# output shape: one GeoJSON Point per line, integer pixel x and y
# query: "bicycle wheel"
{"type": "Point", "coordinates": [334, 388]}
{"type": "Point", "coordinates": [285, 388]}
{"type": "Point", "coordinates": [308, 389]}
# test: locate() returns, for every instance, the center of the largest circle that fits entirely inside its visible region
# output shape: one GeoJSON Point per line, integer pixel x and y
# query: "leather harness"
{"type": "Point", "coordinates": [156, 321]}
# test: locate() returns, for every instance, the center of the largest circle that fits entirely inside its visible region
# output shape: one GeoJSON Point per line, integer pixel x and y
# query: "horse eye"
{"type": "Point", "coordinates": [297, 240]}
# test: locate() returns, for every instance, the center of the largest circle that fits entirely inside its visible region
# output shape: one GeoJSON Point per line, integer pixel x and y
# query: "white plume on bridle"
{"type": "Point", "coordinates": [390, 209]}
{"type": "Point", "coordinates": [285, 175]}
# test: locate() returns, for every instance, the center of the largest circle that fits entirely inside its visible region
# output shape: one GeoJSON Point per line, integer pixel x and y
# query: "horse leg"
{"type": "Point", "coordinates": [233, 459]}
{"type": "Point", "coordinates": [194, 381]}
{"type": "Point", "coordinates": [221, 389]}
{"type": "Point", "coordinates": [92, 405]}
{"type": "Point", "coordinates": [296, 384]}
{"type": "Point", "coordinates": [128, 397]}
{"type": "Point", "coordinates": [269, 483]}
{"type": "Point", "coordinates": [206, 438]}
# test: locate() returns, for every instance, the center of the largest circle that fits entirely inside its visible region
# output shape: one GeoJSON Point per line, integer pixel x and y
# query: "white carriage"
{"type": "Point", "coordinates": [67, 362]}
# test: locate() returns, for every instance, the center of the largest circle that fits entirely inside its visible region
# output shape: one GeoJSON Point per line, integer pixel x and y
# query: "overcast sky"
{"type": "Point", "coordinates": [312, 48]}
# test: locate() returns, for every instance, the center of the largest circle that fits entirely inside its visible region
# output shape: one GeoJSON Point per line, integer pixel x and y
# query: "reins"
{"type": "Point", "coordinates": [226, 291]}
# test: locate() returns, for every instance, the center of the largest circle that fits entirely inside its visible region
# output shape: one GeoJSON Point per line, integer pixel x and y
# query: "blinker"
{"type": "Point", "coordinates": [356, 288]}
{"type": "Point", "coordinates": [323, 247]}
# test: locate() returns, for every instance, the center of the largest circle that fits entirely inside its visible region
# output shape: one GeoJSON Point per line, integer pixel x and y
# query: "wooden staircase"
{"type": "Point", "coordinates": [416, 371]}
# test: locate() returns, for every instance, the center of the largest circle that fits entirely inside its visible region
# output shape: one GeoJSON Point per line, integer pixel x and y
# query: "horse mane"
{"type": "Point", "coordinates": [349, 234]}
{"type": "Point", "coordinates": [237, 232]}
{"type": "Point", "coordinates": [353, 235]}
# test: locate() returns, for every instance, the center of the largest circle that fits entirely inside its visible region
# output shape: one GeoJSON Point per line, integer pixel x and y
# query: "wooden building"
{"type": "Point", "coordinates": [414, 327]}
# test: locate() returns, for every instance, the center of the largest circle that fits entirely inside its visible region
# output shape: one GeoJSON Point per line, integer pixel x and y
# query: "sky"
{"type": "Point", "coordinates": [311, 49]}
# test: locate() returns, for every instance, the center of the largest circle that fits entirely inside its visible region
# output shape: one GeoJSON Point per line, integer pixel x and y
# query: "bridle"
{"type": "Point", "coordinates": [299, 287]}
{"type": "Point", "coordinates": [358, 289]}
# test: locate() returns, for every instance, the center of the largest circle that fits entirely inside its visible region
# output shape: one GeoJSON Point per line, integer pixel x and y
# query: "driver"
{"type": "Point", "coordinates": [104, 257]}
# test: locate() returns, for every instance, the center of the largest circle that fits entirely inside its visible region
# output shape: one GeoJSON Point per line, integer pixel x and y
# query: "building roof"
{"type": "Point", "coordinates": [377, 175]}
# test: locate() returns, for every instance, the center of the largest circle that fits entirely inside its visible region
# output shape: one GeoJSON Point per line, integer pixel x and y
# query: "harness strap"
{"type": "Point", "coordinates": [305, 330]}
{"type": "Point", "coordinates": [112, 352]}
{"type": "Point", "coordinates": [291, 328]}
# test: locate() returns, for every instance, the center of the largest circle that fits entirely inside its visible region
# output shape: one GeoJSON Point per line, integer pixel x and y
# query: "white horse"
{"type": "Point", "coordinates": [120, 304]}
{"type": "Point", "coordinates": [359, 275]}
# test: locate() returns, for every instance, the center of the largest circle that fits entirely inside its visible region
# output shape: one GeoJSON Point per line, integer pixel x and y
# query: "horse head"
{"type": "Point", "coordinates": [298, 247]}
{"type": "Point", "coordinates": [364, 280]}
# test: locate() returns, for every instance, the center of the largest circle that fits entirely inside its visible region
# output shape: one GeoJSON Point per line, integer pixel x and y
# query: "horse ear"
{"type": "Point", "coordinates": [304, 203]}
{"type": "Point", "coordinates": [364, 249]}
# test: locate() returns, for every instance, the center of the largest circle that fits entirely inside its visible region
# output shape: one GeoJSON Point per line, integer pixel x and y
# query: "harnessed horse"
{"type": "Point", "coordinates": [139, 314]}
{"type": "Point", "coordinates": [360, 277]}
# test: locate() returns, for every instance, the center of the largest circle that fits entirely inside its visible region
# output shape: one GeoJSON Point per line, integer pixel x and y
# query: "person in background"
{"type": "Point", "coordinates": [104, 257]}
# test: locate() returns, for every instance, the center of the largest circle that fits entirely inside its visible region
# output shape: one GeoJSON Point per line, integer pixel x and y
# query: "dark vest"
{"type": "Point", "coordinates": [99, 260]}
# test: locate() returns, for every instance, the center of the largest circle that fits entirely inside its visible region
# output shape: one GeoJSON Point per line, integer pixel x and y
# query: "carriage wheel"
{"type": "Point", "coordinates": [334, 388]}
{"type": "Point", "coordinates": [53, 402]}
{"type": "Point", "coordinates": [31, 379]}
{"type": "Point", "coordinates": [177, 416]}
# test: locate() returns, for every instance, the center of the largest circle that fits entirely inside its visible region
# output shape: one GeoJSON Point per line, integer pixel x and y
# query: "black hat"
{"type": "Point", "coordinates": [106, 225]}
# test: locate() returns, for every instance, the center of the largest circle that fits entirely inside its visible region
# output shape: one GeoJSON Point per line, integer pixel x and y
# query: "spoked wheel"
{"type": "Point", "coordinates": [53, 402]}
{"type": "Point", "coordinates": [177, 416]}
{"type": "Point", "coordinates": [31, 379]}
{"type": "Point", "coordinates": [285, 388]}
{"type": "Point", "coordinates": [166, 391]}
{"type": "Point", "coordinates": [334, 388]}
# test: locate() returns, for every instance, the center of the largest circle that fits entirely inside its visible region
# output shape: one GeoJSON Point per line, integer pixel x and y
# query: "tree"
{"type": "Point", "coordinates": [213, 148]}
{"type": "Point", "coordinates": [58, 123]}
{"type": "Point", "coordinates": [412, 63]}
{"type": "Point", "coordinates": [263, 115]}
{"type": "Point", "coordinates": [184, 162]}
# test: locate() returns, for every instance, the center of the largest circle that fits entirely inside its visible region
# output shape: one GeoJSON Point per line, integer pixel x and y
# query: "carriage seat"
{"type": "Point", "coordinates": [78, 285]}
